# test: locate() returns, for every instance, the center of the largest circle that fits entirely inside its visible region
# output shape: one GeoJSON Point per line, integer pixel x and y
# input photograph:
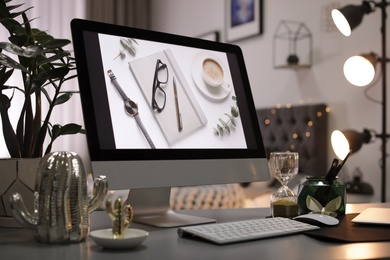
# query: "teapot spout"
{"type": "Point", "coordinates": [20, 212]}
{"type": "Point", "coordinates": [100, 189]}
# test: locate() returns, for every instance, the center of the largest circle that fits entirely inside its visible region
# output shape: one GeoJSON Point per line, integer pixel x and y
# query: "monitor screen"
{"type": "Point", "coordinates": [165, 110]}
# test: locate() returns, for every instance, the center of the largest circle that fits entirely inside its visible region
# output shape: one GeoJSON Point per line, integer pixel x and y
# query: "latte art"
{"type": "Point", "coordinates": [213, 72]}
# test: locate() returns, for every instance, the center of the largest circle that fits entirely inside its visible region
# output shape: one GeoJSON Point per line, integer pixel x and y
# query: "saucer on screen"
{"type": "Point", "coordinates": [132, 238]}
{"type": "Point", "coordinates": [215, 94]}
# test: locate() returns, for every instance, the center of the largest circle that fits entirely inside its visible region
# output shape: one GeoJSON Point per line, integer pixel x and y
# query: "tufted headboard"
{"type": "Point", "coordinates": [303, 129]}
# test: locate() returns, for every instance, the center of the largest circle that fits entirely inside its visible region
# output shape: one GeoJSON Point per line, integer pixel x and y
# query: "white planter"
{"type": "Point", "coordinates": [16, 175]}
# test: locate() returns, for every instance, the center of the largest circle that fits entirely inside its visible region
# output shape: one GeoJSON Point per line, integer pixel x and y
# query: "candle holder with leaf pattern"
{"type": "Point", "coordinates": [322, 196]}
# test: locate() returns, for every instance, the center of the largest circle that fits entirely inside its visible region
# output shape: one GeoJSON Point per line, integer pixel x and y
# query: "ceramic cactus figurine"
{"type": "Point", "coordinates": [61, 204]}
{"type": "Point", "coordinates": [121, 216]}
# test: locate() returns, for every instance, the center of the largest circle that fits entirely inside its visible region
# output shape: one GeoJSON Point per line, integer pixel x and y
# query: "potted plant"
{"type": "Point", "coordinates": [44, 67]}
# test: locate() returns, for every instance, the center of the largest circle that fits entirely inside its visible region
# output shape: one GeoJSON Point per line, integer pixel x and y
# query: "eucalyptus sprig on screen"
{"type": "Point", "coordinates": [127, 43]}
{"type": "Point", "coordinates": [231, 120]}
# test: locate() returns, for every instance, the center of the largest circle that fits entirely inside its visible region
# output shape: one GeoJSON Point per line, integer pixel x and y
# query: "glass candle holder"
{"type": "Point", "coordinates": [318, 195]}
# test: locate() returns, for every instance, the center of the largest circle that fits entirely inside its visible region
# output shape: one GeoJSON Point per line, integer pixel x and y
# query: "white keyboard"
{"type": "Point", "coordinates": [239, 231]}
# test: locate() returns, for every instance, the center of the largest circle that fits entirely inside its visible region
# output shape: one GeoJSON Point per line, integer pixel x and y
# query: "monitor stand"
{"type": "Point", "coordinates": [152, 207]}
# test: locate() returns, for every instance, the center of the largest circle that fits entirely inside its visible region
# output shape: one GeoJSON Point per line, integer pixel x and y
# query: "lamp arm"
{"type": "Point", "coordinates": [384, 58]}
{"type": "Point", "coordinates": [382, 135]}
{"type": "Point", "coordinates": [371, 5]}
{"type": "Point", "coordinates": [382, 4]}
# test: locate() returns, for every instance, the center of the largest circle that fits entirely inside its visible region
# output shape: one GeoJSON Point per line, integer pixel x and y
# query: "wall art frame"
{"type": "Point", "coordinates": [210, 36]}
{"type": "Point", "coordinates": [244, 19]}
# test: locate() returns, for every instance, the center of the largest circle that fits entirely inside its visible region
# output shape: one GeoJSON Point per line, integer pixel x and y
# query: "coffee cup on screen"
{"type": "Point", "coordinates": [213, 73]}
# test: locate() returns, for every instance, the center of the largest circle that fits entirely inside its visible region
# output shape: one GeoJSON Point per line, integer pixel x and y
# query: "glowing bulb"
{"type": "Point", "coordinates": [359, 71]}
{"type": "Point", "coordinates": [340, 144]}
{"type": "Point", "coordinates": [341, 23]}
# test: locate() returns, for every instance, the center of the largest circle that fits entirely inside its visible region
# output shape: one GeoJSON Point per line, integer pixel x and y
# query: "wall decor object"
{"type": "Point", "coordinates": [244, 18]}
{"type": "Point", "coordinates": [292, 45]}
{"type": "Point", "coordinates": [210, 36]}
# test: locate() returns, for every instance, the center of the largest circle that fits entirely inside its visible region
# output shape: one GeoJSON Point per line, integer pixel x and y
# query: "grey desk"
{"type": "Point", "coordinates": [165, 244]}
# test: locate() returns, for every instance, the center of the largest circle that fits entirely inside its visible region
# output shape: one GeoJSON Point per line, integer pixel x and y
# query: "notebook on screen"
{"type": "Point", "coordinates": [373, 216]}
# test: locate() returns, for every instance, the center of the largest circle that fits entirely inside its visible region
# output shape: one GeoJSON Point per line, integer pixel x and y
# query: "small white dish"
{"type": "Point", "coordinates": [132, 237]}
{"type": "Point", "coordinates": [215, 94]}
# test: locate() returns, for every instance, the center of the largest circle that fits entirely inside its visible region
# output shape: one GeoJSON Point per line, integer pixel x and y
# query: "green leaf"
{"type": "Point", "coordinates": [28, 52]}
{"type": "Point", "coordinates": [234, 111]}
{"type": "Point", "coordinates": [55, 131]}
{"type": "Point", "coordinates": [55, 43]}
{"type": "Point", "coordinates": [224, 125]}
{"type": "Point", "coordinates": [16, 14]}
{"type": "Point", "coordinates": [12, 48]}
{"type": "Point", "coordinates": [56, 73]}
{"type": "Point", "coordinates": [5, 102]}
{"type": "Point", "coordinates": [62, 99]}
{"type": "Point", "coordinates": [70, 129]}
{"type": "Point", "coordinates": [27, 27]}
{"type": "Point", "coordinates": [10, 24]}
{"type": "Point", "coordinates": [12, 7]}
{"type": "Point", "coordinates": [32, 51]}
{"type": "Point", "coordinates": [10, 137]}
{"type": "Point", "coordinates": [233, 121]}
{"type": "Point", "coordinates": [43, 90]}
{"type": "Point", "coordinates": [216, 131]}
{"type": "Point", "coordinates": [41, 37]}
{"type": "Point", "coordinates": [220, 130]}
{"type": "Point", "coordinates": [53, 58]}
{"type": "Point", "coordinates": [4, 76]}
{"type": "Point", "coordinates": [127, 43]}
{"type": "Point", "coordinates": [19, 40]}
{"type": "Point", "coordinates": [10, 63]}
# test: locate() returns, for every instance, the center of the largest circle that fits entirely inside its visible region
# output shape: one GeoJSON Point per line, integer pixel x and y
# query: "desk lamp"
{"type": "Point", "coordinates": [360, 70]}
{"type": "Point", "coordinates": [351, 140]}
{"type": "Point", "coordinates": [346, 19]}
{"type": "Point", "coordinates": [346, 140]}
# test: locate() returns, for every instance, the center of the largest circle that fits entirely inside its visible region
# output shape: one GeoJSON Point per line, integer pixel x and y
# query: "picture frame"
{"type": "Point", "coordinates": [244, 18]}
{"type": "Point", "coordinates": [210, 36]}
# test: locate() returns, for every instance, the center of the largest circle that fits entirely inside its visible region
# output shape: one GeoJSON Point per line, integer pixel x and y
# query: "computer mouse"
{"type": "Point", "coordinates": [317, 219]}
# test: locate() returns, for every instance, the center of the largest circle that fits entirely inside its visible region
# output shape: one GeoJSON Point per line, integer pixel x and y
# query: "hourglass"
{"type": "Point", "coordinates": [284, 167]}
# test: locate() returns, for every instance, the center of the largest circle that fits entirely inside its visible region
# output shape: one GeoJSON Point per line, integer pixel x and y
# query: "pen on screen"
{"type": "Point", "coordinates": [178, 115]}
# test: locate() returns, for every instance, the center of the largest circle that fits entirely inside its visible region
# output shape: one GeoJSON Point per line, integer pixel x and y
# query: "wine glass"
{"type": "Point", "coordinates": [284, 167]}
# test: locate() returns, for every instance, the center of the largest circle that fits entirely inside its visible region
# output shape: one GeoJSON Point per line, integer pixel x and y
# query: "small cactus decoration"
{"type": "Point", "coordinates": [121, 215]}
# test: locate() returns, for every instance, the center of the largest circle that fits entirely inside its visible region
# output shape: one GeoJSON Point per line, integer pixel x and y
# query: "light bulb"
{"type": "Point", "coordinates": [359, 71]}
{"type": "Point", "coordinates": [340, 144]}
{"type": "Point", "coordinates": [341, 22]}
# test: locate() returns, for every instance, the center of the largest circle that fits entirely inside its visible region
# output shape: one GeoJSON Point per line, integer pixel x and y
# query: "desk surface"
{"type": "Point", "coordinates": [19, 243]}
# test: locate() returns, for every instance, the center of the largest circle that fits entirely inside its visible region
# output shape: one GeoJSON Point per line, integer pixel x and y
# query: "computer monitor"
{"type": "Point", "coordinates": [155, 121]}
